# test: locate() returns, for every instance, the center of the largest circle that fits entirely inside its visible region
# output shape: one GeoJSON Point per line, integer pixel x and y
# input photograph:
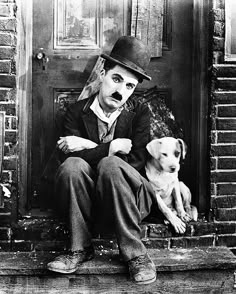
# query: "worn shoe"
{"type": "Point", "coordinates": [70, 262]}
{"type": "Point", "coordinates": [142, 269]}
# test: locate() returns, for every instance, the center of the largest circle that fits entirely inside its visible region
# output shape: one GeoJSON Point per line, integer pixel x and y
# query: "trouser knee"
{"type": "Point", "coordinates": [110, 166]}
{"type": "Point", "coordinates": [73, 167]}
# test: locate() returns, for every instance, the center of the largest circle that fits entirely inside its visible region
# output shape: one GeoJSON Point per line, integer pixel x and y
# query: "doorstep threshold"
{"type": "Point", "coordinates": [109, 262]}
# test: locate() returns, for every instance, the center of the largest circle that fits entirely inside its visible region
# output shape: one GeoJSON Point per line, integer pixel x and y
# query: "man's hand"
{"type": "Point", "coordinates": [121, 145]}
{"type": "Point", "coordinates": [73, 143]}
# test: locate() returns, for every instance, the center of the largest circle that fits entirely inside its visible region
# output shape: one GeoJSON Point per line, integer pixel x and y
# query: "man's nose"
{"type": "Point", "coordinates": [121, 89]}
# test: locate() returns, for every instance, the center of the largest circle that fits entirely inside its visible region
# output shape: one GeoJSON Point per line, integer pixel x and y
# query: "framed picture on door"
{"type": "Point", "coordinates": [230, 32]}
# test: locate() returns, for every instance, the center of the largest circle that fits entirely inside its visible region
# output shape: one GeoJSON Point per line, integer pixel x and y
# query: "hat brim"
{"type": "Point", "coordinates": [140, 72]}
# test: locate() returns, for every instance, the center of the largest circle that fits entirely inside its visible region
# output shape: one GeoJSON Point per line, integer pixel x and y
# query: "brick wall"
{"type": "Point", "coordinates": [223, 128]}
{"type": "Point", "coordinates": [8, 40]}
{"type": "Point", "coordinates": [223, 133]}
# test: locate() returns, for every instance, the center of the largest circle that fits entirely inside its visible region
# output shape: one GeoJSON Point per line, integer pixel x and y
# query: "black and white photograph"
{"type": "Point", "coordinates": [117, 146]}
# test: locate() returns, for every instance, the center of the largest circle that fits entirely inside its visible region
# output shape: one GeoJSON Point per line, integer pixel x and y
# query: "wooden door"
{"type": "Point", "coordinates": [70, 35]}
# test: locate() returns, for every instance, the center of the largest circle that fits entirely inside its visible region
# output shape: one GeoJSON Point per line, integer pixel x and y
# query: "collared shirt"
{"type": "Point", "coordinates": [106, 124]}
{"type": "Point", "coordinates": [109, 120]}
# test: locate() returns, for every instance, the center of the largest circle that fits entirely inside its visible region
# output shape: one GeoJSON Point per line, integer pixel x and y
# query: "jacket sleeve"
{"type": "Point", "coordinates": [140, 137]}
{"type": "Point", "coordinates": [73, 126]}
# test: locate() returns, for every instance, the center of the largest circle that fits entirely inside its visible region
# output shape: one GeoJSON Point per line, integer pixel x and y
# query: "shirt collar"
{"type": "Point", "coordinates": [96, 108]}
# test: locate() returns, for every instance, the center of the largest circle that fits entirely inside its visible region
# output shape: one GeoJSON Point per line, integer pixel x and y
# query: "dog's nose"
{"type": "Point", "coordinates": [172, 168]}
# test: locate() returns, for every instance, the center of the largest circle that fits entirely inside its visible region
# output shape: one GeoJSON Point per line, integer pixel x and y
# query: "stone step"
{"type": "Point", "coordinates": [109, 262]}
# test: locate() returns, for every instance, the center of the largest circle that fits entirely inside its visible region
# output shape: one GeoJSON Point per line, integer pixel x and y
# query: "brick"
{"type": "Point", "coordinates": [7, 81]}
{"type": "Point", "coordinates": [7, 53]}
{"type": "Point", "coordinates": [218, 4]}
{"type": "Point", "coordinates": [225, 214]}
{"type": "Point", "coordinates": [5, 233]}
{"type": "Point", "coordinates": [226, 137]}
{"type": "Point", "coordinates": [225, 97]}
{"type": "Point", "coordinates": [213, 189]}
{"type": "Point", "coordinates": [225, 70]}
{"type": "Point", "coordinates": [9, 108]}
{"type": "Point", "coordinates": [226, 163]}
{"type": "Point", "coordinates": [6, 177]}
{"type": "Point", "coordinates": [219, 29]}
{"type": "Point", "coordinates": [227, 111]}
{"type": "Point", "coordinates": [5, 67]}
{"type": "Point", "coordinates": [223, 202]}
{"type": "Point", "coordinates": [226, 240]}
{"type": "Point", "coordinates": [7, 10]}
{"type": "Point", "coordinates": [158, 243]}
{"type": "Point", "coordinates": [213, 137]}
{"type": "Point", "coordinates": [10, 122]}
{"type": "Point", "coordinates": [58, 246]}
{"type": "Point", "coordinates": [223, 150]}
{"type": "Point", "coordinates": [189, 242]}
{"type": "Point", "coordinates": [226, 189]}
{"type": "Point", "coordinates": [32, 230]}
{"type": "Point", "coordinates": [213, 163]}
{"type": "Point", "coordinates": [7, 39]}
{"type": "Point", "coordinates": [210, 228]}
{"type": "Point", "coordinates": [219, 14]}
{"type": "Point", "coordinates": [11, 136]}
{"type": "Point", "coordinates": [21, 245]}
{"type": "Point", "coordinates": [5, 245]}
{"type": "Point", "coordinates": [226, 124]}
{"type": "Point", "coordinates": [218, 43]}
{"type": "Point", "coordinates": [218, 57]}
{"type": "Point", "coordinates": [10, 149]}
{"type": "Point", "coordinates": [226, 84]}
{"type": "Point", "coordinates": [8, 24]}
{"type": "Point", "coordinates": [223, 176]}
{"type": "Point", "coordinates": [10, 163]}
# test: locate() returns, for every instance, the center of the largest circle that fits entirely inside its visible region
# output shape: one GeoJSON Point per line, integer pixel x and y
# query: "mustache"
{"type": "Point", "coordinates": [117, 96]}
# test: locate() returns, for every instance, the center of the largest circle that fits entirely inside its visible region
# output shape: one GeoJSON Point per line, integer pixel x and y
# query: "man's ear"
{"type": "Point", "coordinates": [153, 148]}
{"type": "Point", "coordinates": [102, 74]}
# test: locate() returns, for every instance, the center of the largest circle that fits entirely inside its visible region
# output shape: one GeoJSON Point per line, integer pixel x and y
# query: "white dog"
{"type": "Point", "coordinates": [173, 197]}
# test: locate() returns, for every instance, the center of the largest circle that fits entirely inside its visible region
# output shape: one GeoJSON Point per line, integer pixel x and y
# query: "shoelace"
{"type": "Point", "coordinates": [139, 261]}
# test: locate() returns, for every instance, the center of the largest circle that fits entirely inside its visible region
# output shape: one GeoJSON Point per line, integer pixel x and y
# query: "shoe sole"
{"type": "Point", "coordinates": [70, 271]}
{"type": "Point", "coordinates": [146, 282]}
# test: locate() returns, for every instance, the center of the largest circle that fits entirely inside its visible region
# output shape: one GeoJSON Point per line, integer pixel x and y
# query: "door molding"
{"type": "Point", "coordinates": [200, 94]}
{"type": "Point", "coordinates": [24, 92]}
{"type": "Point", "coordinates": [199, 101]}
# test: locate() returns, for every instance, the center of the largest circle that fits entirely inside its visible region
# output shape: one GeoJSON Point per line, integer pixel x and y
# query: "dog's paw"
{"type": "Point", "coordinates": [184, 216]}
{"type": "Point", "coordinates": [178, 224]}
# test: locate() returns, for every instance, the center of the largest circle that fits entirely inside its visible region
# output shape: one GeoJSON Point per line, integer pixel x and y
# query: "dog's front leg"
{"type": "Point", "coordinates": [175, 221]}
{"type": "Point", "coordinates": [179, 203]}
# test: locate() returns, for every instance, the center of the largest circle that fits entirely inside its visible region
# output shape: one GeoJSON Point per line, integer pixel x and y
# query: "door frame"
{"type": "Point", "coordinates": [199, 100]}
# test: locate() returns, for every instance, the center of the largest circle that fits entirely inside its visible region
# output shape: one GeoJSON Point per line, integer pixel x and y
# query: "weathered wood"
{"type": "Point", "coordinates": [109, 262]}
{"type": "Point", "coordinates": [207, 281]}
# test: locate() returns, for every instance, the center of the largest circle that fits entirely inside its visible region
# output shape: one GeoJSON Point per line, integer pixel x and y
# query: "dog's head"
{"type": "Point", "coordinates": [167, 151]}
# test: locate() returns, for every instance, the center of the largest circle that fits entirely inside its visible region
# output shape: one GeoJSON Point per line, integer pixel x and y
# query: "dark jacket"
{"type": "Point", "coordinates": [133, 123]}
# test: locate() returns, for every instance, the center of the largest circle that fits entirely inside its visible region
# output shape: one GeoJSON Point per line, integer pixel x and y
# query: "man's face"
{"type": "Point", "coordinates": [117, 86]}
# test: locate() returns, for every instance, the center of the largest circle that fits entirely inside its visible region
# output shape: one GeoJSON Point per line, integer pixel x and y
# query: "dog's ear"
{"type": "Point", "coordinates": [183, 147]}
{"type": "Point", "coordinates": [153, 148]}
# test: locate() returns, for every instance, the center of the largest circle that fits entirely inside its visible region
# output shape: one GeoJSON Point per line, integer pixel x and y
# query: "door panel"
{"type": "Point", "coordinates": [72, 41]}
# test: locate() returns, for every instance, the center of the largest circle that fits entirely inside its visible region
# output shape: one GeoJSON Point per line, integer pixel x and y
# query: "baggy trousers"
{"type": "Point", "coordinates": [115, 195]}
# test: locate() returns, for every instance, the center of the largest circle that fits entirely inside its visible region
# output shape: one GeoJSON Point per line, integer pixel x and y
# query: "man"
{"type": "Point", "coordinates": [101, 181]}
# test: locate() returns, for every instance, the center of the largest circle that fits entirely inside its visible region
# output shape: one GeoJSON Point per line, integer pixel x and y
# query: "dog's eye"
{"type": "Point", "coordinates": [177, 153]}
{"type": "Point", "coordinates": [164, 154]}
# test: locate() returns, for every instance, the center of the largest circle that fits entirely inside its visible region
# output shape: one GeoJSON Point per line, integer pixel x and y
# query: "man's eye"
{"type": "Point", "coordinates": [116, 80]}
{"type": "Point", "coordinates": [164, 154]}
{"type": "Point", "coordinates": [129, 86]}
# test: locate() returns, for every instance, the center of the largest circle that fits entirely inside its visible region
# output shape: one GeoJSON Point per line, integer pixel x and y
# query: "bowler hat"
{"type": "Point", "coordinates": [132, 54]}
